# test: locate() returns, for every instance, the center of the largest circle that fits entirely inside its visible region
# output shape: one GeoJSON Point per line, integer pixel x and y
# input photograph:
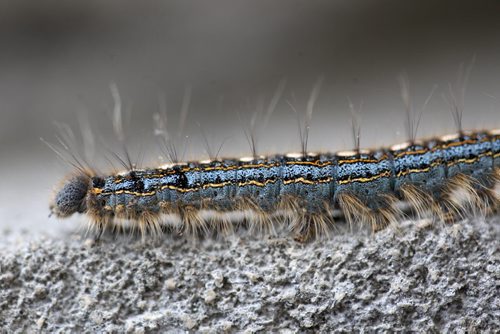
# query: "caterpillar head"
{"type": "Point", "coordinates": [70, 198]}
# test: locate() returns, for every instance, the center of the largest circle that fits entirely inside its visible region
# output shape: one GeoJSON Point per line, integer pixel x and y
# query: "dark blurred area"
{"type": "Point", "coordinates": [58, 58]}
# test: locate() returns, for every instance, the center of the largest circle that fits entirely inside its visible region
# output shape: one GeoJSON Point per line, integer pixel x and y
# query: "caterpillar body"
{"type": "Point", "coordinates": [442, 178]}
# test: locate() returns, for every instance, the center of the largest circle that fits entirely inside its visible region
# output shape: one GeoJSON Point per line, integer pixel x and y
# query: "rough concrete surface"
{"type": "Point", "coordinates": [421, 278]}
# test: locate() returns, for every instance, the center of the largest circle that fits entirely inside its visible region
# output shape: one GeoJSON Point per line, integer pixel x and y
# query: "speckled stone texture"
{"type": "Point", "coordinates": [421, 278]}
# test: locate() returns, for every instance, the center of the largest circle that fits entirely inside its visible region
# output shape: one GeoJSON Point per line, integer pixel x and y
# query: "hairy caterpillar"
{"type": "Point", "coordinates": [443, 178]}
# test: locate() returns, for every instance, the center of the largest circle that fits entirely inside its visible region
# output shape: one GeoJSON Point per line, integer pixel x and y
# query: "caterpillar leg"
{"type": "Point", "coordinates": [462, 198]}
{"type": "Point", "coordinates": [312, 226]}
{"type": "Point", "coordinates": [98, 227]}
{"type": "Point", "coordinates": [359, 213]}
{"type": "Point", "coordinates": [422, 204]}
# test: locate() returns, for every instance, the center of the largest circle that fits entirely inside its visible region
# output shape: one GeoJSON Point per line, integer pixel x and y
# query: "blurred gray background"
{"type": "Point", "coordinates": [58, 58]}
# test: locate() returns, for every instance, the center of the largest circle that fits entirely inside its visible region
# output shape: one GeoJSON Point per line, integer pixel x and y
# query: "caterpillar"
{"type": "Point", "coordinates": [443, 178]}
